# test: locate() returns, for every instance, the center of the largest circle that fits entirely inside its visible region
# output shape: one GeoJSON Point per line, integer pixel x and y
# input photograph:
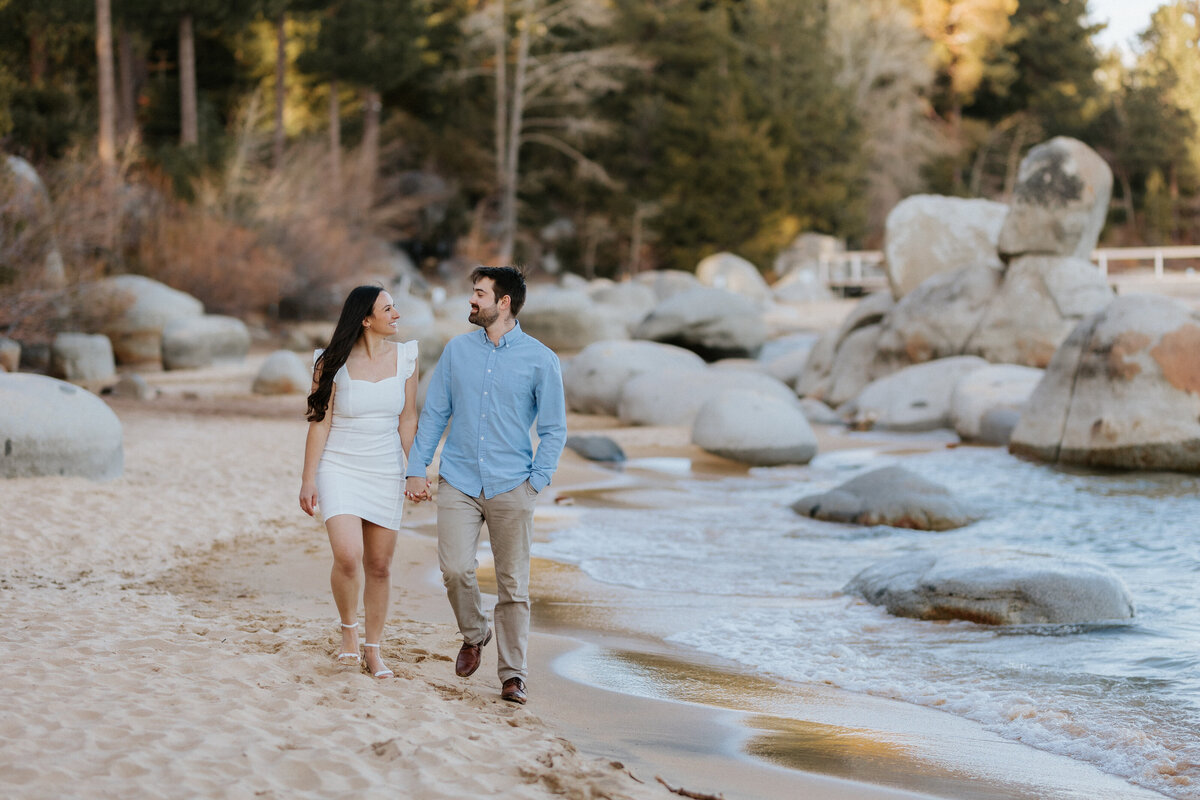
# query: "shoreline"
{"type": "Point", "coordinates": [187, 608]}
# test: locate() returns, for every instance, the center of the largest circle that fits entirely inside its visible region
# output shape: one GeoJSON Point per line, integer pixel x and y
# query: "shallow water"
{"type": "Point", "coordinates": [1124, 697]}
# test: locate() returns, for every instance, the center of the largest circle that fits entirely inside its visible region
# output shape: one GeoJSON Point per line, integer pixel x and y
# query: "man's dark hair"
{"type": "Point", "coordinates": [505, 281]}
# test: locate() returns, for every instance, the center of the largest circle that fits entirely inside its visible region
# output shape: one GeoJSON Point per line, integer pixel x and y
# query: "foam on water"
{"type": "Point", "coordinates": [1120, 696]}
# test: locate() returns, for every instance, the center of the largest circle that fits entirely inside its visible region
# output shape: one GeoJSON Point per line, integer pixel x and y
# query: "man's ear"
{"type": "Point", "coordinates": [504, 302]}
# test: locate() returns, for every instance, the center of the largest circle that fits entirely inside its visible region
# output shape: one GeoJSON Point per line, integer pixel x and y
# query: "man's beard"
{"type": "Point", "coordinates": [484, 317]}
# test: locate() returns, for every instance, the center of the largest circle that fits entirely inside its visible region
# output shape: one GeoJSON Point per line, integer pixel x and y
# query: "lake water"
{"type": "Point", "coordinates": [1124, 697]}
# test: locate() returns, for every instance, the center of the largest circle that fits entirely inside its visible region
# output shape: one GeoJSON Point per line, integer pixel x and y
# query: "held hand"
{"type": "Point", "coordinates": [308, 498]}
{"type": "Point", "coordinates": [416, 489]}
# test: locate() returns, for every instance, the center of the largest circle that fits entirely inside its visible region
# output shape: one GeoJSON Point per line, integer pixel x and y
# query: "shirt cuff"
{"type": "Point", "coordinates": [538, 481]}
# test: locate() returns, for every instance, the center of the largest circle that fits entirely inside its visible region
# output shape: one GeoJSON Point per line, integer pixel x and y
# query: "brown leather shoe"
{"type": "Point", "coordinates": [514, 691]}
{"type": "Point", "coordinates": [469, 656]}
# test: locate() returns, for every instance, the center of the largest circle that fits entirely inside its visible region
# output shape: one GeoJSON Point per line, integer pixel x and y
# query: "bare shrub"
{"type": "Point", "coordinates": [219, 262]}
{"type": "Point", "coordinates": [304, 217]}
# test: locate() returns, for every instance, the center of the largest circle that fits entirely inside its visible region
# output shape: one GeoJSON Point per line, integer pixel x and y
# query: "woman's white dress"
{"type": "Point", "coordinates": [361, 471]}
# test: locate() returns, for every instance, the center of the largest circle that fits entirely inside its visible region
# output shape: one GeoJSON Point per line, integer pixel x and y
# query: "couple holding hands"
{"type": "Point", "coordinates": [365, 453]}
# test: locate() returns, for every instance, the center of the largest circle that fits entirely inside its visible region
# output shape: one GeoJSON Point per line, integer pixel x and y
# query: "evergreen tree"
{"type": "Point", "coordinates": [1171, 60]}
{"type": "Point", "coordinates": [1049, 44]}
{"type": "Point", "coordinates": [47, 51]}
{"type": "Point", "coordinates": [372, 45]}
{"type": "Point", "coordinates": [740, 137]}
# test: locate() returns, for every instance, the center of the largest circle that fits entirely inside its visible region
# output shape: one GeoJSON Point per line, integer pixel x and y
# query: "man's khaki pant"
{"type": "Point", "coordinates": [509, 518]}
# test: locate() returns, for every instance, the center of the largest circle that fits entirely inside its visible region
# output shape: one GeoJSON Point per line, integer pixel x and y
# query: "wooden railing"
{"type": "Point", "coordinates": [862, 270]}
{"type": "Point", "coordinates": [853, 271]}
{"type": "Point", "coordinates": [1158, 255]}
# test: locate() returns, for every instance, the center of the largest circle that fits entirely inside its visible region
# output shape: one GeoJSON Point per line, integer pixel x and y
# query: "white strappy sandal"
{"type": "Point", "coordinates": [348, 658]}
{"type": "Point", "coordinates": [383, 673]}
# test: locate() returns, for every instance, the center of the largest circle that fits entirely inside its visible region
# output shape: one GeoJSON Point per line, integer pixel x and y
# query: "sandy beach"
{"type": "Point", "coordinates": [171, 634]}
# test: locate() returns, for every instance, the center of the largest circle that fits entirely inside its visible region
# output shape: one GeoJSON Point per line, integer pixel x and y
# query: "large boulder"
{"type": "Point", "coordinates": [713, 323]}
{"type": "Point", "coordinates": [1059, 203]}
{"type": "Point", "coordinates": [283, 373]}
{"type": "Point", "coordinates": [417, 323]}
{"type": "Point", "coordinates": [674, 397]}
{"type": "Point", "coordinates": [566, 320]}
{"type": "Point", "coordinates": [195, 342]}
{"type": "Point", "coordinates": [10, 354]}
{"type": "Point", "coordinates": [667, 282]}
{"type": "Point", "coordinates": [1038, 303]}
{"type": "Point", "coordinates": [416, 317]}
{"type": "Point", "coordinates": [938, 318]}
{"type": "Point", "coordinates": [817, 413]}
{"type": "Point", "coordinates": [801, 286]}
{"type": "Point", "coordinates": [916, 398]}
{"type": "Point", "coordinates": [82, 358]}
{"type": "Point", "coordinates": [49, 427]}
{"type": "Point", "coordinates": [1014, 316]}
{"type": "Point", "coordinates": [133, 386]}
{"type": "Point", "coordinates": [733, 274]}
{"type": "Point", "coordinates": [593, 378]}
{"type": "Point", "coordinates": [27, 228]}
{"type": "Point", "coordinates": [1123, 391]}
{"type": "Point", "coordinates": [596, 448]}
{"type": "Point", "coordinates": [758, 429]}
{"type": "Point", "coordinates": [850, 349]}
{"type": "Point", "coordinates": [927, 235]}
{"type": "Point", "coordinates": [787, 362]}
{"type": "Point", "coordinates": [307, 336]}
{"type": "Point", "coordinates": [132, 311]}
{"type": "Point", "coordinates": [806, 252]}
{"type": "Point", "coordinates": [888, 496]}
{"type": "Point", "coordinates": [627, 301]}
{"type": "Point", "coordinates": [854, 368]}
{"type": "Point", "coordinates": [995, 587]}
{"type": "Point", "coordinates": [986, 391]}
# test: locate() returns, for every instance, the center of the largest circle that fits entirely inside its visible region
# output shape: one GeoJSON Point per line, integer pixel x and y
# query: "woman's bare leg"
{"type": "Point", "coordinates": [379, 544]}
{"type": "Point", "coordinates": [346, 539]}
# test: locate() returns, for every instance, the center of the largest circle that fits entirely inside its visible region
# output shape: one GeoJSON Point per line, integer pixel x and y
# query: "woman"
{"type": "Point", "coordinates": [362, 419]}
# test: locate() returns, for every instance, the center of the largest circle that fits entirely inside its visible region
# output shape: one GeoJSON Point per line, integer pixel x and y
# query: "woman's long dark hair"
{"type": "Point", "coordinates": [358, 306]}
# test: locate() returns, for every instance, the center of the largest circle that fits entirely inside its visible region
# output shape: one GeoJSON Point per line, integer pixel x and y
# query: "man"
{"type": "Point", "coordinates": [490, 386]}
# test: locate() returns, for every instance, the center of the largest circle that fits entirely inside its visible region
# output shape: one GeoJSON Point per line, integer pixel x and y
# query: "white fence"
{"type": "Point", "coordinates": [1158, 255]}
{"type": "Point", "coordinates": [863, 269]}
{"type": "Point", "coordinates": [854, 268]}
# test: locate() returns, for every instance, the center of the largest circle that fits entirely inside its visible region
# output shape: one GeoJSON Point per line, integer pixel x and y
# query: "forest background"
{"type": "Point", "coordinates": [249, 150]}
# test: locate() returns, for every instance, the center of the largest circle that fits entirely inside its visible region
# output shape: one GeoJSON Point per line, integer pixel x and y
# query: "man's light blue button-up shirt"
{"type": "Point", "coordinates": [493, 393]}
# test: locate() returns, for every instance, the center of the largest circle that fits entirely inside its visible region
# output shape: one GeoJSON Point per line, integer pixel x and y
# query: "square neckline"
{"type": "Point", "coordinates": [399, 353]}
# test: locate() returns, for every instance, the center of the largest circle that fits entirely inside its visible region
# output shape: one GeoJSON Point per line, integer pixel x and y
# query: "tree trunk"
{"type": "Point", "coordinates": [1173, 193]}
{"type": "Point", "coordinates": [280, 70]}
{"type": "Point", "coordinates": [37, 58]}
{"type": "Point", "coordinates": [502, 105]}
{"type": "Point", "coordinates": [370, 147]}
{"type": "Point", "coordinates": [954, 117]}
{"type": "Point", "coordinates": [635, 240]}
{"type": "Point", "coordinates": [335, 141]}
{"type": "Point", "coordinates": [516, 116]}
{"type": "Point", "coordinates": [1013, 166]}
{"type": "Point", "coordinates": [1127, 200]}
{"type": "Point", "coordinates": [107, 85]}
{"type": "Point", "coordinates": [126, 112]}
{"type": "Point", "coordinates": [189, 130]}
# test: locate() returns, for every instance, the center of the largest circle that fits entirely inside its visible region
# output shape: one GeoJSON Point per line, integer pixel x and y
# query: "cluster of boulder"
{"type": "Point", "coordinates": [131, 320]}
{"type": "Point", "coordinates": [988, 302]}
{"type": "Point", "coordinates": [996, 325]}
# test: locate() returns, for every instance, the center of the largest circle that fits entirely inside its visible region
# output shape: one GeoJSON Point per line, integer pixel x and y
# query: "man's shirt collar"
{"type": "Point", "coordinates": [507, 340]}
